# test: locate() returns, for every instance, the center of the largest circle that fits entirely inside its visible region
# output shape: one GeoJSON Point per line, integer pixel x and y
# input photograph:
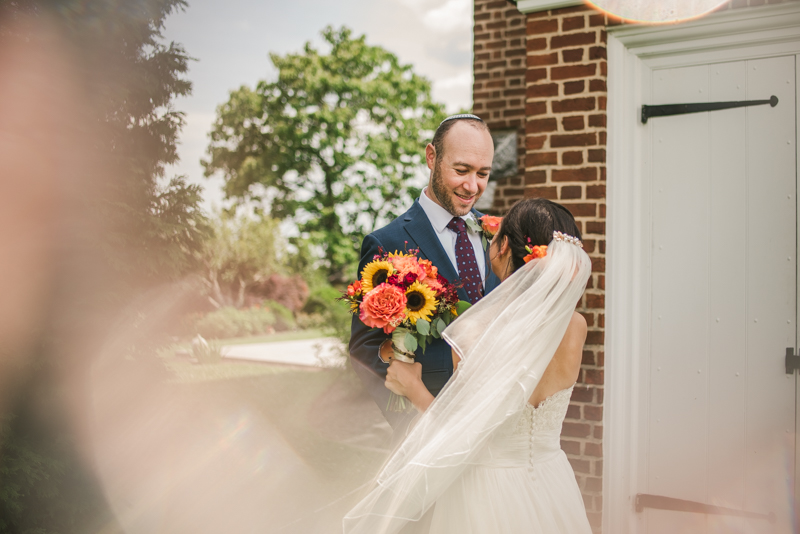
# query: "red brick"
{"type": "Point", "coordinates": [573, 412]}
{"type": "Point", "coordinates": [592, 376]}
{"type": "Point", "coordinates": [597, 121]}
{"type": "Point", "coordinates": [573, 104]}
{"type": "Point", "coordinates": [535, 108]}
{"type": "Point", "coordinates": [588, 358]}
{"type": "Point", "coordinates": [513, 112]}
{"type": "Point", "coordinates": [593, 449]}
{"type": "Point", "coordinates": [542, 191]}
{"type": "Point", "coordinates": [496, 25]}
{"type": "Point", "coordinates": [573, 39]}
{"type": "Point", "coordinates": [571, 158]}
{"type": "Point", "coordinates": [580, 466]}
{"type": "Point", "coordinates": [568, 140]}
{"type": "Point", "coordinates": [532, 45]}
{"type": "Point", "coordinates": [542, 59]}
{"type": "Point", "coordinates": [587, 174]}
{"type": "Point", "coordinates": [599, 264]}
{"type": "Point", "coordinates": [535, 177]}
{"type": "Point", "coordinates": [571, 88]}
{"type": "Point", "coordinates": [597, 20]}
{"type": "Point", "coordinates": [576, 430]}
{"type": "Point", "coordinates": [534, 75]}
{"type": "Point", "coordinates": [596, 191]}
{"type": "Point", "coordinates": [535, 142]}
{"type": "Point", "coordinates": [569, 24]}
{"type": "Point", "coordinates": [589, 245]}
{"type": "Point", "coordinates": [593, 413]}
{"type": "Point", "coordinates": [598, 86]}
{"type": "Point", "coordinates": [582, 210]}
{"type": "Point", "coordinates": [595, 227]}
{"type": "Point", "coordinates": [514, 52]}
{"type": "Point", "coordinates": [598, 52]}
{"type": "Point", "coordinates": [538, 27]}
{"type": "Point", "coordinates": [542, 90]}
{"type": "Point", "coordinates": [601, 102]}
{"type": "Point", "coordinates": [597, 155]}
{"type": "Point", "coordinates": [594, 484]}
{"type": "Point", "coordinates": [573, 71]}
{"type": "Point", "coordinates": [583, 394]}
{"type": "Point", "coordinates": [541, 125]}
{"type": "Point", "coordinates": [599, 401]}
{"type": "Point", "coordinates": [595, 301]}
{"type": "Point", "coordinates": [573, 123]}
{"type": "Point", "coordinates": [537, 159]}
{"type": "Point", "coordinates": [571, 447]}
{"type": "Point", "coordinates": [572, 55]}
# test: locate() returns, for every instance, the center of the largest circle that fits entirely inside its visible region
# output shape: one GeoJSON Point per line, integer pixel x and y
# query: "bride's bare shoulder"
{"type": "Point", "coordinates": [571, 346]}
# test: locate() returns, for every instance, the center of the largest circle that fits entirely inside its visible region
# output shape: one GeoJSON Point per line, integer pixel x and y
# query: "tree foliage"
{"type": "Point", "coordinates": [152, 225]}
{"type": "Point", "coordinates": [334, 143]}
{"type": "Point", "coordinates": [241, 253]}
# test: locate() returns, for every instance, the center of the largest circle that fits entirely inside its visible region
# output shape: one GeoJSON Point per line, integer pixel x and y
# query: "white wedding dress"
{"type": "Point", "coordinates": [480, 459]}
{"type": "Point", "coordinates": [521, 482]}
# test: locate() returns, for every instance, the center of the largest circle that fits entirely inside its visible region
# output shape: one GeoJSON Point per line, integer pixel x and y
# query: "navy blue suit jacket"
{"type": "Point", "coordinates": [412, 230]}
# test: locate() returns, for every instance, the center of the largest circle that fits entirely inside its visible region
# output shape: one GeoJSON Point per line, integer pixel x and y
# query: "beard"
{"type": "Point", "coordinates": [445, 196]}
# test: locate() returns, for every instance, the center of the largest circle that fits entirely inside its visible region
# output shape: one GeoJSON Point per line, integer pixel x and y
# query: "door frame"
{"type": "Point", "coordinates": [633, 51]}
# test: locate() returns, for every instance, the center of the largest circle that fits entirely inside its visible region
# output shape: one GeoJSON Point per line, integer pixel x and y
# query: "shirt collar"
{"type": "Point", "coordinates": [437, 215]}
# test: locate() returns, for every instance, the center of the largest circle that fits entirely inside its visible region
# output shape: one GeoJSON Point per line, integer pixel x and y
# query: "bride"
{"type": "Point", "coordinates": [485, 456]}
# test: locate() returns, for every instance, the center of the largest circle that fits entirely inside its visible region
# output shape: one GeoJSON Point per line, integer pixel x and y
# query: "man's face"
{"type": "Point", "coordinates": [460, 175]}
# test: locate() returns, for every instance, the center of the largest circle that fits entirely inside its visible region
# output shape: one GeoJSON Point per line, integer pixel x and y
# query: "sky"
{"type": "Point", "coordinates": [231, 41]}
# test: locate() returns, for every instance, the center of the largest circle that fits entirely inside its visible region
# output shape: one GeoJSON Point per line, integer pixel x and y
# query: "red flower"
{"type": "Point", "coordinates": [383, 307]}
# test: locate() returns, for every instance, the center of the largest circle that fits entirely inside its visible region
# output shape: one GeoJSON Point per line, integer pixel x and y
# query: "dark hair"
{"type": "Point", "coordinates": [444, 127]}
{"type": "Point", "coordinates": [537, 219]}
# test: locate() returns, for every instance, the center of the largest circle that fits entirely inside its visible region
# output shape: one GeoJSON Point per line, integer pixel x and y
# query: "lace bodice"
{"type": "Point", "coordinates": [530, 436]}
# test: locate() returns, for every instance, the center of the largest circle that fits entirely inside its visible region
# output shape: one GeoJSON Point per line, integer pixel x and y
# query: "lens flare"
{"type": "Point", "coordinates": [656, 11]}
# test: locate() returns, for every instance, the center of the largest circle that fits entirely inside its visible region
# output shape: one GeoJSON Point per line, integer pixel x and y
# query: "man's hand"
{"type": "Point", "coordinates": [405, 379]}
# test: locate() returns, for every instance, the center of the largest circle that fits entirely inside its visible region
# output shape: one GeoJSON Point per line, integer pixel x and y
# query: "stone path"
{"type": "Point", "coordinates": [319, 352]}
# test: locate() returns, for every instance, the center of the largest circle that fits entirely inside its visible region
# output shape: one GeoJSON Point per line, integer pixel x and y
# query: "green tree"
{"type": "Point", "coordinates": [333, 144]}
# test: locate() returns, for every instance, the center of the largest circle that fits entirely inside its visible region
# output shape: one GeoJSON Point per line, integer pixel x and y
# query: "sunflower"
{"type": "Point", "coordinates": [421, 302]}
{"type": "Point", "coordinates": [374, 274]}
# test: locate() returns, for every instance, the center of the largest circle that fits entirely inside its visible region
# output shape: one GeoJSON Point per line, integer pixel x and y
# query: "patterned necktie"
{"type": "Point", "coordinates": [465, 261]}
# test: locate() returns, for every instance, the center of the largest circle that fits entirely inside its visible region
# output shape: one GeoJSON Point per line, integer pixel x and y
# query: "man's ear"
{"type": "Point", "coordinates": [430, 156]}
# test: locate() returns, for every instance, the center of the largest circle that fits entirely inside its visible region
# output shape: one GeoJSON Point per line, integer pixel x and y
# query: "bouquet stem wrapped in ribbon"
{"type": "Point", "coordinates": [406, 297]}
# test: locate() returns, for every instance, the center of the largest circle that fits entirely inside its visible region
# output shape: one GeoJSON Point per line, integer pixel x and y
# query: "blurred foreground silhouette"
{"type": "Point", "coordinates": [96, 434]}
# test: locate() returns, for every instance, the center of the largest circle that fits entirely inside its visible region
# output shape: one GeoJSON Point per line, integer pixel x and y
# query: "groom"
{"type": "Point", "coordinates": [460, 159]}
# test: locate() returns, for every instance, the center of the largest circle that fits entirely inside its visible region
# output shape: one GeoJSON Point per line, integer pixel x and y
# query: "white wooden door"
{"type": "Point", "coordinates": [719, 424]}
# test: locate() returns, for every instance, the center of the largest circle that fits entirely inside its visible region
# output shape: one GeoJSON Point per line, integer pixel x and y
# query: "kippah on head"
{"type": "Point", "coordinates": [461, 116]}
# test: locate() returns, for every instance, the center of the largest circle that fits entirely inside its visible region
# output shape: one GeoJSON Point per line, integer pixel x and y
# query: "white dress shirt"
{"type": "Point", "coordinates": [439, 218]}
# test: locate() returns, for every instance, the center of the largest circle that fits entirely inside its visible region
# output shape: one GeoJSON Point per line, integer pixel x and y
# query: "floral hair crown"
{"type": "Point", "coordinates": [540, 251]}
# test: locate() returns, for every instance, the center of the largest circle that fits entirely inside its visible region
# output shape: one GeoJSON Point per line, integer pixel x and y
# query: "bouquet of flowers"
{"type": "Point", "coordinates": [407, 298]}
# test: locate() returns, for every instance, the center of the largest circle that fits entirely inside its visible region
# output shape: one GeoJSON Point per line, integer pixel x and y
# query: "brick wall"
{"type": "Point", "coordinates": [498, 91]}
{"type": "Point", "coordinates": [562, 157]}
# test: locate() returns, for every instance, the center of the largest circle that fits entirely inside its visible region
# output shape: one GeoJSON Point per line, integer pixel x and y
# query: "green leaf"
{"type": "Point", "coordinates": [423, 342]}
{"type": "Point", "coordinates": [462, 306]}
{"type": "Point", "coordinates": [435, 330]}
{"type": "Point", "coordinates": [440, 325]}
{"type": "Point", "coordinates": [410, 342]}
{"type": "Point", "coordinates": [423, 327]}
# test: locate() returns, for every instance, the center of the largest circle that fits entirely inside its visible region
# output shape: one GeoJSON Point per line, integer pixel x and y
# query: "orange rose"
{"type": "Point", "coordinates": [430, 269]}
{"type": "Point", "coordinates": [384, 307]}
{"type": "Point", "coordinates": [491, 224]}
{"type": "Point", "coordinates": [406, 265]}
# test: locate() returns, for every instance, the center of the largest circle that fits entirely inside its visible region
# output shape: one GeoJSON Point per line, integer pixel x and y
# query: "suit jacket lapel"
{"type": "Point", "coordinates": [424, 237]}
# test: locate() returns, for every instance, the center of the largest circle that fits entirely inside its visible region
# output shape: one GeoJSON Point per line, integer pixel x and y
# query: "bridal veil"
{"type": "Point", "coordinates": [505, 343]}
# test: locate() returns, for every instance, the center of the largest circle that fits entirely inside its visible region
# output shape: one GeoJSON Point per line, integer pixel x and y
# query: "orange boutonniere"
{"type": "Point", "coordinates": [534, 252]}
